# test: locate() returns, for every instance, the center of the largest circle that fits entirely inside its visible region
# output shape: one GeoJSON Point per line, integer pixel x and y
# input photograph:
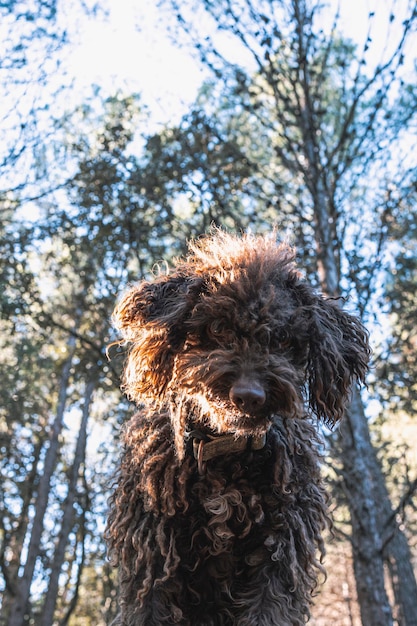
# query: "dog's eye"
{"type": "Point", "coordinates": [283, 341]}
{"type": "Point", "coordinates": [264, 336]}
{"type": "Point", "coordinates": [216, 328]}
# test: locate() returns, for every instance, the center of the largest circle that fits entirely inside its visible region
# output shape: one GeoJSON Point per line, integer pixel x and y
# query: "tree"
{"type": "Point", "coordinates": [396, 373]}
{"type": "Point", "coordinates": [35, 84]}
{"type": "Point", "coordinates": [59, 276]}
{"type": "Point", "coordinates": [60, 283]}
{"type": "Point", "coordinates": [27, 32]}
{"type": "Point", "coordinates": [22, 588]}
{"type": "Point", "coordinates": [334, 124]}
{"type": "Point", "coordinates": [48, 608]}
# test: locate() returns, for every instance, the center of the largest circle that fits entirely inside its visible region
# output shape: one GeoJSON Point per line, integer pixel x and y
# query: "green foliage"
{"type": "Point", "coordinates": [397, 371]}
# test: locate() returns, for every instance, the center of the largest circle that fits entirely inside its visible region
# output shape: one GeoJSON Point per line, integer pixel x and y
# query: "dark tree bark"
{"type": "Point", "coordinates": [48, 609]}
{"type": "Point", "coordinates": [23, 585]}
{"type": "Point", "coordinates": [362, 482]}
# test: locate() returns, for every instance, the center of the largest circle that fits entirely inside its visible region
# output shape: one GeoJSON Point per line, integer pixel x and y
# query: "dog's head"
{"type": "Point", "coordinates": [238, 334]}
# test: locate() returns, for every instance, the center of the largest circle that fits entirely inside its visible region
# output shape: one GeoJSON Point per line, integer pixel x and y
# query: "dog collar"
{"type": "Point", "coordinates": [206, 447]}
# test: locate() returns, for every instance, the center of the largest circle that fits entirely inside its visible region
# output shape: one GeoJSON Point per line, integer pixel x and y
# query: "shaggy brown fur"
{"type": "Point", "coordinates": [211, 530]}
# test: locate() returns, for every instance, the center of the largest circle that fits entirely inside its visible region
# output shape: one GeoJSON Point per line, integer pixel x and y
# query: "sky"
{"type": "Point", "coordinates": [133, 51]}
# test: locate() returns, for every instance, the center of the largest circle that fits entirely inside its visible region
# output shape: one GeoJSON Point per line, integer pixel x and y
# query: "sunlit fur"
{"type": "Point", "coordinates": [233, 340]}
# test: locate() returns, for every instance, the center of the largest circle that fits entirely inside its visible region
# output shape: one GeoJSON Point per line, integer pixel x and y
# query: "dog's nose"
{"type": "Point", "coordinates": [248, 396]}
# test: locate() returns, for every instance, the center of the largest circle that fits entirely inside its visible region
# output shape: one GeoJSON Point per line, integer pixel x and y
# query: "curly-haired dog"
{"type": "Point", "coordinates": [219, 506]}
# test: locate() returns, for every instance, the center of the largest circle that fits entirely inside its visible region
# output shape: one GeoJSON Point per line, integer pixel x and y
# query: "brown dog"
{"type": "Point", "coordinates": [219, 506]}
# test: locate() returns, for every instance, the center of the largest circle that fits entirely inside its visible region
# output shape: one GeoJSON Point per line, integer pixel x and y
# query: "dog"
{"type": "Point", "coordinates": [219, 507]}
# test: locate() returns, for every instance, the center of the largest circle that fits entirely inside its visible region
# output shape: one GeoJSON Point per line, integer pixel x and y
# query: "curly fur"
{"type": "Point", "coordinates": [233, 341]}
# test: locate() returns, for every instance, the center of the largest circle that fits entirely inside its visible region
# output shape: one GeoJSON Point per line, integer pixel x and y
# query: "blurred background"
{"type": "Point", "coordinates": [127, 128]}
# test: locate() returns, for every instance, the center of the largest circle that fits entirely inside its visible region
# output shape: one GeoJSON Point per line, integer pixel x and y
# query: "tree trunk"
{"type": "Point", "coordinates": [367, 494]}
{"type": "Point", "coordinates": [364, 484]}
{"type": "Point", "coordinates": [398, 557]}
{"type": "Point", "coordinates": [21, 602]}
{"type": "Point", "coordinates": [68, 516]}
{"type": "Point", "coordinates": [376, 544]}
{"type": "Point", "coordinates": [15, 546]}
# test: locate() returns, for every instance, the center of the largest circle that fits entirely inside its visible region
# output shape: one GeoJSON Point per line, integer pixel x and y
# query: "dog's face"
{"type": "Point", "coordinates": [237, 333]}
{"type": "Point", "coordinates": [245, 354]}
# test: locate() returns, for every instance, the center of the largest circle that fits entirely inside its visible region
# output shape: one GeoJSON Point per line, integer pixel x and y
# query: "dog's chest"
{"type": "Point", "coordinates": [231, 508]}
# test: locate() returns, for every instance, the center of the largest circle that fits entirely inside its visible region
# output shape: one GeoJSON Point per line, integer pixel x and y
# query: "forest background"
{"type": "Point", "coordinates": [290, 113]}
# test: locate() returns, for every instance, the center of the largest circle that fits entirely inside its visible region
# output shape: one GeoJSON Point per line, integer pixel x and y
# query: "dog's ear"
{"type": "Point", "coordinates": [151, 316]}
{"type": "Point", "coordinates": [164, 302]}
{"type": "Point", "coordinates": [338, 356]}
